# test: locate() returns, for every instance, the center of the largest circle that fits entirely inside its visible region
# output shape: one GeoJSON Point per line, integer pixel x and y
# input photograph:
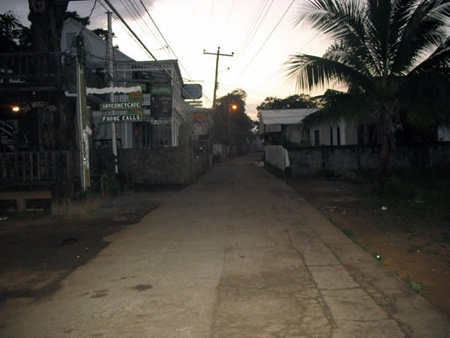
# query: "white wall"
{"type": "Point", "coordinates": [277, 156]}
{"type": "Point", "coordinates": [444, 134]}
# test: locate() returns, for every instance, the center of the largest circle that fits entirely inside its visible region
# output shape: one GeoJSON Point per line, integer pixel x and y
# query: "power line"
{"type": "Point", "coordinates": [147, 50]}
{"type": "Point", "coordinates": [247, 42]}
{"type": "Point", "coordinates": [267, 39]}
{"type": "Point", "coordinates": [160, 33]}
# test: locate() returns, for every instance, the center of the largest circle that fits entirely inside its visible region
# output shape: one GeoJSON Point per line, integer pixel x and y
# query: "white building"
{"type": "Point", "coordinates": [286, 123]}
{"type": "Point", "coordinates": [164, 108]}
{"type": "Point", "coordinates": [283, 122]}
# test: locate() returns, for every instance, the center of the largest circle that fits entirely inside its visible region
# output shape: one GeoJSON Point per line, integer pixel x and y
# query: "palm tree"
{"type": "Point", "coordinates": [392, 55]}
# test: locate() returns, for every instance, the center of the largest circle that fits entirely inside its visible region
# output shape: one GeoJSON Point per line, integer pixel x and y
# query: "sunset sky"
{"type": "Point", "coordinates": [261, 34]}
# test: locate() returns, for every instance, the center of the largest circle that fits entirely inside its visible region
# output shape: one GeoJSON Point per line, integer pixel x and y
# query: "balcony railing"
{"type": "Point", "coordinates": [34, 70]}
{"type": "Point", "coordinates": [35, 167]}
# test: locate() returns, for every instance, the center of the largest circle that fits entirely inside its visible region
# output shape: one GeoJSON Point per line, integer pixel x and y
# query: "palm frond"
{"type": "Point", "coordinates": [339, 52]}
{"type": "Point", "coordinates": [331, 17]}
{"type": "Point", "coordinates": [312, 71]}
{"type": "Point", "coordinates": [438, 61]}
{"type": "Point", "coordinates": [421, 32]}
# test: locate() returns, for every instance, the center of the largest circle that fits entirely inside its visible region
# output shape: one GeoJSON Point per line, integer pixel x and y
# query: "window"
{"type": "Point", "coordinates": [331, 135]}
{"type": "Point", "coordinates": [70, 43]}
{"type": "Point", "coordinates": [317, 137]}
{"type": "Point", "coordinates": [162, 136]}
{"type": "Point", "coordinates": [338, 134]}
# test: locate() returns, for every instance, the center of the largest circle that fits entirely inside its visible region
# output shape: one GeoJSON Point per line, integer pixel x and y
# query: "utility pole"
{"type": "Point", "coordinates": [217, 70]}
{"type": "Point", "coordinates": [109, 53]}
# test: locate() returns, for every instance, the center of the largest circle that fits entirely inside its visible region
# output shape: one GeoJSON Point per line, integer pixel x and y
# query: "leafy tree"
{"type": "Point", "coordinates": [290, 102]}
{"type": "Point", "coordinates": [103, 33]}
{"type": "Point", "coordinates": [393, 56]}
{"type": "Point", "coordinates": [14, 37]}
{"type": "Point", "coordinates": [85, 21]}
{"type": "Point", "coordinates": [231, 125]}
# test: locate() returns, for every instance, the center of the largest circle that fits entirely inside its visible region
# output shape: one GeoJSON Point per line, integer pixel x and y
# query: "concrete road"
{"type": "Point", "coordinates": [237, 254]}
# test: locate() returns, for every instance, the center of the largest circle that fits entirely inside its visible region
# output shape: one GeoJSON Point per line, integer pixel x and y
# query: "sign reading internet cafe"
{"type": "Point", "coordinates": [121, 106]}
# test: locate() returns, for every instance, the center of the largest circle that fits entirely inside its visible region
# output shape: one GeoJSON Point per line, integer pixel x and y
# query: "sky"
{"type": "Point", "coordinates": [261, 34]}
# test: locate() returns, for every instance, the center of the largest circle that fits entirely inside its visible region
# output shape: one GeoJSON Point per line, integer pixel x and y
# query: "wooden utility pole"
{"type": "Point", "coordinates": [217, 70]}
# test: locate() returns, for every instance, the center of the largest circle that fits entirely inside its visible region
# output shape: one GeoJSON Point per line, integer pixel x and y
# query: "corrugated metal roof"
{"type": "Point", "coordinates": [284, 116]}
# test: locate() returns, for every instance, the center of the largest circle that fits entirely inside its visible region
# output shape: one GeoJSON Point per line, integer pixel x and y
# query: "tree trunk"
{"type": "Point", "coordinates": [385, 136]}
{"type": "Point", "coordinates": [47, 21]}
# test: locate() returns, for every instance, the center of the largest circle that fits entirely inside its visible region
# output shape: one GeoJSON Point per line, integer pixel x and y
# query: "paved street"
{"type": "Point", "coordinates": [236, 254]}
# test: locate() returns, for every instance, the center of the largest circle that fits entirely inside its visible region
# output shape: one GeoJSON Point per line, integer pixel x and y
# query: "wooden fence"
{"type": "Point", "coordinates": [35, 167]}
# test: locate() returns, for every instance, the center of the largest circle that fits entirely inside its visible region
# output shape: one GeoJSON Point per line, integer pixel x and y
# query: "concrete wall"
{"type": "Point", "coordinates": [344, 159]}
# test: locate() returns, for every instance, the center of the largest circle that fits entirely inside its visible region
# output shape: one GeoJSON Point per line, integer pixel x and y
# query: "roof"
{"type": "Point", "coordinates": [94, 44]}
{"type": "Point", "coordinates": [284, 116]}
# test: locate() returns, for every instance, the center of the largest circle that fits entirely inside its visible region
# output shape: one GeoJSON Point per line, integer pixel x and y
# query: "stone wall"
{"type": "Point", "coordinates": [344, 159]}
{"type": "Point", "coordinates": [165, 165]}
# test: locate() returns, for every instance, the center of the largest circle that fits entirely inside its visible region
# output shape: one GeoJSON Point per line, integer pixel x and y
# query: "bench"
{"type": "Point", "coordinates": [22, 196]}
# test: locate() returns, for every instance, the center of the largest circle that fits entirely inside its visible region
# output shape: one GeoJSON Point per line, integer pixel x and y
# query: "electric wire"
{"type": "Point", "coordinates": [257, 26]}
{"type": "Point", "coordinates": [252, 24]}
{"type": "Point", "coordinates": [160, 33]}
{"type": "Point", "coordinates": [265, 41]}
{"type": "Point", "coordinates": [135, 14]}
{"type": "Point", "coordinates": [148, 51]}
{"type": "Point", "coordinates": [227, 21]}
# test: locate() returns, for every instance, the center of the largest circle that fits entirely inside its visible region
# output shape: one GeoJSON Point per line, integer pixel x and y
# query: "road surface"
{"type": "Point", "coordinates": [236, 254]}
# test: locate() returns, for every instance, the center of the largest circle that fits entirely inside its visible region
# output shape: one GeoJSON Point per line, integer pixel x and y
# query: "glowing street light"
{"type": "Point", "coordinates": [15, 109]}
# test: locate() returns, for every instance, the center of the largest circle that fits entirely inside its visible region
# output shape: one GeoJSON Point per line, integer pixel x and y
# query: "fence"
{"type": "Point", "coordinates": [37, 167]}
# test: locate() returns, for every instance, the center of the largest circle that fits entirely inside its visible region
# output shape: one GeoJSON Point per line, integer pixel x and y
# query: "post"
{"type": "Point", "coordinates": [217, 71]}
{"type": "Point", "coordinates": [109, 53]}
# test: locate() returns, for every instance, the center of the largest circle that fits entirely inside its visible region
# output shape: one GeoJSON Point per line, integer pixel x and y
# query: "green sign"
{"type": "Point", "coordinates": [161, 90]}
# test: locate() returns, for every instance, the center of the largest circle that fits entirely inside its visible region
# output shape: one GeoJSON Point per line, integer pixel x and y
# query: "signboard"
{"type": "Point", "coordinates": [121, 106]}
{"type": "Point", "coordinates": [192, 91]}
{"type": "Point", "coordinates": [122, 118]}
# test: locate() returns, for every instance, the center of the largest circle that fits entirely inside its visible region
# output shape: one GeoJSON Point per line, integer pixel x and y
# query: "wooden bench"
{"type": "Point", "coordinates": [22, 196]}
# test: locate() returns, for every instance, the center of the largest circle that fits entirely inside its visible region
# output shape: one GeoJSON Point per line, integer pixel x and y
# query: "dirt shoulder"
{"type": "Point", "coordinates": [37, 251]}
{"type": "Point", "coordinates": [415, 244]}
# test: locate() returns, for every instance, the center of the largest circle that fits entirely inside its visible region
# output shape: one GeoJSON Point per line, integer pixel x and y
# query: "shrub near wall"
{"type": "Point", "coordinates": [344, 159]}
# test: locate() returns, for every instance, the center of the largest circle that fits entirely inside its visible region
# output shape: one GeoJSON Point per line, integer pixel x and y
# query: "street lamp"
{"type": "Point", "coordinates": [15, 109]}
{"type": "Point", "coordinates": [231, 108]}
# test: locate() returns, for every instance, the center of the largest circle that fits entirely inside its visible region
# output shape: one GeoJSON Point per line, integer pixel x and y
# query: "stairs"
{"type": "Point", "coordinates": [7, 132]}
